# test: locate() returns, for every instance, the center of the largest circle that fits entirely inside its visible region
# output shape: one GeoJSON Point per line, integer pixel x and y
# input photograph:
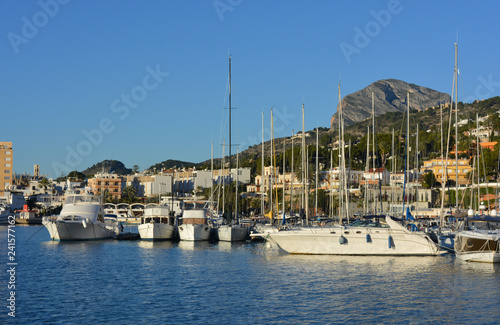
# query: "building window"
{"type": "Point", "coordinates": [7, 152]}
{"type": "Point", "coordinates": [6, 178]}
{"type": "Point", "coordinates": [7, 165]}
{"type": "Point", "coordinates": [7, 171]}
{"type": "Point", "coordinates": [7, 158]}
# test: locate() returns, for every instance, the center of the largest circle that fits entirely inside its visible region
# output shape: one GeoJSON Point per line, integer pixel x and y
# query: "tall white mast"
{"type": "Point", "coordinates": [367, 170]}
{"type": "Point", "coordinates": [393, 169]}
{"type": "Point", "coordinates": [262, 192]}
{"type": "Point", "coordinates": [284, 183]}
{"type": "Point", "coordinates": [374, 156]}
{"type": "Point", "coordinates": [271, 168]}
{"type": "Point", "coordinates": [304, 173]}
{"type": "Point", "coordinates": [456, 126]}
{"type": "Point", "coordinates": [317, 173]}
{"type": "Point", "coordinates": [236, 191]}
{"type": "Point", "coordinates": [291, 180]}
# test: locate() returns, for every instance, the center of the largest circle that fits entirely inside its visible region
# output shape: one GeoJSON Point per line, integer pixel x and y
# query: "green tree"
{"type": "Point", "coordinates": [429, 180]}
{"type": "Point", "coordinates": [44, 183]}
{"type": "Point", "coordinates": [129, 194]}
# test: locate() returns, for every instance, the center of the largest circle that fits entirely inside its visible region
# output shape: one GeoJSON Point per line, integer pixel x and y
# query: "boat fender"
{"type": "Point", "coordinates": [342, 240]}
{"type": "Point", "coordinates": [391, 242]}
{"type": "Point", "coordinates": [368, 238]}
{"type": "Point", "coordinates": [84, 223]}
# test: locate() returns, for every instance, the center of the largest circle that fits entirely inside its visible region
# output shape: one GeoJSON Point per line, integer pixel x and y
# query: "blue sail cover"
{"type": "Point", "coordinates": [284, 219]}
{"type": "Point", "coordinates": [408, 214]}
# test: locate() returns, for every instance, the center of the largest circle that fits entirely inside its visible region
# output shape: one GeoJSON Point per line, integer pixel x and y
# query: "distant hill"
{"type": "Point", "coordinates": [170, 163]}
{"type": "Point", "coordinates": [389, 96]}
{"type": "Point", "coordinates": [107, 166]}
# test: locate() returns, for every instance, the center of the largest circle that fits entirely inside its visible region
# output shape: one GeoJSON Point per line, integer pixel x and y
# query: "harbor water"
{"type": "Point", "coordinates": [138, 282]}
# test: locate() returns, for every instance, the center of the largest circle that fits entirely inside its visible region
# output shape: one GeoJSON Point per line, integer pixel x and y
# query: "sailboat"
{"type": "Point", "coordinates": [378, 235]}
{"type": "Point", "coordinates": [232, 231]}
{"type": "Point", "coordinates": [478, 237]}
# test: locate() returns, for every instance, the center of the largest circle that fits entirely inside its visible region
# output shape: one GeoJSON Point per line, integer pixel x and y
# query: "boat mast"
{"type": "Point", "coordinates": [212, 178]}
{"type": "Point", "coordinates": [304, 173]}
{"type": "Point", "coordinates": [374, 153]}
{"type": "Point", "coordinates": [236, 190]}
{"type": "Point", "coordinates": [341, 189]}
{"type": "Point", "coordinates": [456, 125]}
{"type": "Point", "coordinates": [262, 203]}
{"type": "Point", "coordinates": [284, 183]}
{"type": "Point", "coordinates": [407, 164]}
{"type": "Point", "coordinates": [393, 169]}
{"type": "Point", "coordinates": [317, 173]}
{"type": "Point", "coordinates": [291, 180]}
{"type": "Point", "coordinates": [272, 170]}
{"type": "Point", "coordinates": [367, 168]}
{"type": "Point", "coordinates": [416, 175]}
{"type": "Point", "coordinates": [230, 174]}
{"type": "Point", "coordinates": [478, 165]}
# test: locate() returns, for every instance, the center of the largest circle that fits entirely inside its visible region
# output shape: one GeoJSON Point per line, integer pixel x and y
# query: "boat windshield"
{"type": "Point", "coordinates": [74, 199]}
{"type": "Point", "coordinates": [483, 226]}
{"type": "Point", "coordinates": [368, 223]}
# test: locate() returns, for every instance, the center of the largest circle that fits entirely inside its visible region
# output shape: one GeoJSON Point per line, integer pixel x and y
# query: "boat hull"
{"type": "Point", "coordinates": [354, 241]}
{"type": "Point", "coordinates": [477, 247]}
{"type": "Point", "coordinates": [232, 233]}
{"type": "Point", "coordinates": [76, 230]}
{"type": "Point", "coordinates": [194, 232]}
{"type": "Point", "coordinates": [156, 231]}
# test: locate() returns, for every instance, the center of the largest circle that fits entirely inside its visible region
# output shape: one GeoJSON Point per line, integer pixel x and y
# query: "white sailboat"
{"type": "Point", "coordinates": [229, 231]}
{"type": "Point", "coordinates": [82, 218]}
{"type": "Point", "coordinates": [157, 224]}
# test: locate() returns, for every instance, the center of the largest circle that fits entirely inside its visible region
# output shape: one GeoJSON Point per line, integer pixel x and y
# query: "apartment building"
{"type": "Point", "coordinates": [6, 164]}
{"type": "Point", "coordinates": [105, 181]}
{"type": "Point", "coordinates": [437, 166]}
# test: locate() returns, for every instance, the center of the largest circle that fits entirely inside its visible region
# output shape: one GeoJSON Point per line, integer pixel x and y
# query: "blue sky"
{"type": "Point", "coordinates": [146, 81]}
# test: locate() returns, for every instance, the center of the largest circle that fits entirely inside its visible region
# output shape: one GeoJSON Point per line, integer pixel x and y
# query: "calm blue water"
{"type": "Point", "coordinates": [123, 282]}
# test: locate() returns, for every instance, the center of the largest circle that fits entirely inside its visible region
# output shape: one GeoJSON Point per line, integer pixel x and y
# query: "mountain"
{"type": "Point", "coordinates": [170, 163]}
{"type": "Point", "coordinates": [390, 96]}
{"type": "Point", "coordinates": [107, 166]}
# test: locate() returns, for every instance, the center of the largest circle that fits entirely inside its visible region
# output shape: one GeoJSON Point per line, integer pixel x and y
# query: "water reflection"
{"type": "Point", "coordinates": [147, 244]}
{"type": "Point", "coordinates": [193, 245]}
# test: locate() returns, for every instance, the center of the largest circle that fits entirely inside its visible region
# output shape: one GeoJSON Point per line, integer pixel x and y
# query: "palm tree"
{"type": "Point", "coordinates": [44, 182]}
{"type": "Point", "coordinates": [129, 194]}
{"type": "Point", "coordinates": [106, 196]}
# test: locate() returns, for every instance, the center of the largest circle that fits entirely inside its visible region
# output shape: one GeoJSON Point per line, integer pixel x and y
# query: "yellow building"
{"type": "Point", "coordinates": [437, 167]}
{"type": "Point", "coordinates": [6, 163]}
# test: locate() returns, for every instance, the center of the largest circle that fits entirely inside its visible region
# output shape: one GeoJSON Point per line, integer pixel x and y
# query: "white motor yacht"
{"type": "Point", "coordinates": [157, 224]}
{"type": "Point", "coordinates": [82, 218]}
{"type": "Point", "coordinates": [478, 239]}
{"type": "Point", "coordinates": [232, 232]}
{"type": "Point", "coordinates": [370, 237]}
{"type": "Point", "coordinates": [195, 226]}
